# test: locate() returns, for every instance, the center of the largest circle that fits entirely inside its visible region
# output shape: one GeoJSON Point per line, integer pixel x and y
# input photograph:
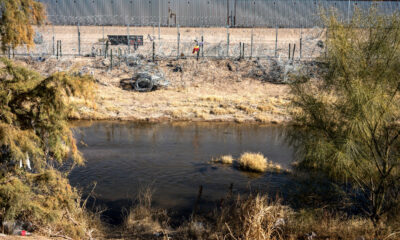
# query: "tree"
{"type": "Point", "coordinates": [35, 138]}
{"type": "Point", "coordinates": [17, 18]}
{"type": "Point", "coordinates": [347, 123]}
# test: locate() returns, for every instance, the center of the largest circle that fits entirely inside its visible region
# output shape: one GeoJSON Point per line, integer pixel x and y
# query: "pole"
{"type": "Point", "coordinates": [276, 41]}
{"type": "Point", "coordinates": [79, 41]}
{"type": "Point", "coordinates": [251, 44]}
{"type": "Point", "coordinates": [240, 50]}
{"type": "Point", "coordinates": [227, 41]}
{"type": "Point", "coordinates": [53, 40]}
{"type": "Point", "coordinates": [301, 42]}
{"type": "Point", "coordinates": [289, 51]}
{"type": "Point", "coordinates": [128, 38]}
{"type": "Point", "coordinates": [111, 59]}
{"type": "Point", "coordinates": [243, 51]}
{"type": "Point", "coordinates": [154, 48]}
{"type": "Point", "coordinates": [294, 50]}
{"type": "Point", "coordinates": [178, 40]}
{"type": "Point", "coordinates": [57, 48]}
{"type": "Point", "coordinates": [202, 46]}
{"type": "Point", "coordinates": [103, 38]}
{"type": "Point", "coordinates": [60, 48]}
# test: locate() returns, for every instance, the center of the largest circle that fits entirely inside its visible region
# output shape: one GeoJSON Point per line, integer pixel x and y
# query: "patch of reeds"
{"type": "Point", "coordinates": [224, 159]}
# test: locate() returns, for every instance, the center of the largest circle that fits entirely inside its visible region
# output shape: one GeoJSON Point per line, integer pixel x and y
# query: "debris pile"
{"type": "Point", "coordinates": [146, 78]}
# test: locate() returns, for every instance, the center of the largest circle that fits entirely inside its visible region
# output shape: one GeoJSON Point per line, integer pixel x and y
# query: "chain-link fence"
{"type": "Point", "coordinates": [172, 28]}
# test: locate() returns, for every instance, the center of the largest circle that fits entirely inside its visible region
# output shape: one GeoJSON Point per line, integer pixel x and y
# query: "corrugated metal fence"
{"type": "Point", "coordinates": [203, 13]}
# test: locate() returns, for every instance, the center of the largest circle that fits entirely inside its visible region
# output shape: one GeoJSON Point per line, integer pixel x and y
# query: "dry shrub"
{"type": "Point", "coordinates": [49, 203]}
{"type": "Point", "coordinates": [326, 225]}
{"type": "Point", "coordinates": [252, 218]}
{"type": "Point", "coordinates": [143, 219]}
{"type": "Point", "coordinates": [225, 159]}
{"type": "Point", "coordinates": [253, 162]}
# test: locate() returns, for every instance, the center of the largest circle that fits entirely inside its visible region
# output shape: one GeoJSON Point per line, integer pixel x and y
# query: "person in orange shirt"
{"type": "Point", "coordinates": [196, 48]}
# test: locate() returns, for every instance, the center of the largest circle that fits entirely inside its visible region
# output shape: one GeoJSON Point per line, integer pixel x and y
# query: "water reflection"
{"type": "Point", "coordinates": [174, 158]}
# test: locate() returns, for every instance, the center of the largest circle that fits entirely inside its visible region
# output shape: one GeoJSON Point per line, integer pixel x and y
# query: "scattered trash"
{"type": "Point", "coordinates": [311, 235]}
{"type": "Point", "coordinates": [177, 68]}
{"type": "Point", "coordinates": [38, 39]}
{"type": "Point", "coordinates": [229, 67]}
{"type": "Point", "coordinates": [282, 71]}
{"type": "Point", "coordinates": [146, 78]}
{"type": "Point", "coordinates": [17, 228]}
{"type": "Point", "coordinates": [320, 44]}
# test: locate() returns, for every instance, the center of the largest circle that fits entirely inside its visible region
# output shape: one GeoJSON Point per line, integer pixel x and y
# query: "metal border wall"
{"type": "Point", "coordinates": [204, 13]}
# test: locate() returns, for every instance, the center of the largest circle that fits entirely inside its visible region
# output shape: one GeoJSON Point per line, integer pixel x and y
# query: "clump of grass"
{"type": "Point", "coordinates": [255, 217]}
{"type": "Point", "coordinates": [225, 159]}
{"type": "Point", "coordinates": [143, 219]}
{"type": "Point", "coordinates": [255, 162]}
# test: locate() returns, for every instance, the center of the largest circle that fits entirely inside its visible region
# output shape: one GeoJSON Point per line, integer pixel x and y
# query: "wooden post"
{"type": "Point", "coordinates": [9, 52]}
{"type": "Point", "coordinates": [111, 58]}
{"type": "Point", "coordinates": [53, 40]}
{"type": "Point", "coordinates": [57, 48]}
{"type": "Point", "coordinates": [128, 36]}
{"type": "Point", "coordinates": [197, 201]}
{"type": "Point", "coordinates": [240, 50]}
{"type": "Point", "coordinates": [276, 41]}
{"type": "Point", "coordinates": [289, 52]}
{"type": "Point", "coordinates": [294, 50]}
{"type": "Point", "coordinates": [202, 46]}
{"type": "Point", "coordinates": [301, 42]}
{"type": "Point", "coordinates": [154, 49]}
{"type": "Point", "coordinates": [79, 41]}
{"type": "Point", "coordinates": [178, 41]}
{"type": "Point", "coordinates": [251, 44]}
{"type": "Point", "coordinates": [60, 48]}
{"type": "Point", "coordinates": [243, 51]}
{"type": "Point", "coordinates": [227, 41]}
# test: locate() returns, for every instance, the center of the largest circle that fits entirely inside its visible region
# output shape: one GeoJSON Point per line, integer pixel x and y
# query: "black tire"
{"type": "Point", "coordinates": [143, 85]}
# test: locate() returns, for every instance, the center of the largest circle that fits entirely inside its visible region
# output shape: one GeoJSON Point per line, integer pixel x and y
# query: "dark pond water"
{"type": "Point", "coordinates": [173, 158]}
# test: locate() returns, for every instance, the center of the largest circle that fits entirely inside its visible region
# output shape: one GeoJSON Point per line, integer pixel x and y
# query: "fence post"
{"type": "Point", "coordinates": [60, 48]}
{"type": "Point", "coordinates": [294, 50]}
{"type": "Point", "coordinates": [240, 50]}
{"type": "Point", "coordinates": [227, 41]}
{"type": "Point", "coordinates": [103, 40]}
{"type": "Point", "coordinates": [276, 41]}
{"type": "Point", "coordinates": [178, 41]}
{"type": "Point", "coordinates": [202, 46]}
{"type": "Point", "coordinates": [301, 42]}
{"type": "Point", "coordinates": [159, 25]}
{"type": "Point", "coordinates": [111, 59]}
{"type": "Point", "coordinates": [128, 36]}
{"type": "Point", "coordinates": [57, 48]}
{"type": "Point", "coordinates": [9, 52]}
{"type": "Point", "coordinates": [289, 52]}
{"type": "Point", "coordinates": [251, 44]}
{"type": "Point", "coordinates": [154, 48]}
{"type": "Point", "coordinates": [79, 40]}
{"type": "Point", "coordinates": [243, 51]}
{"type": "Point", "coordinates": [53, 39]}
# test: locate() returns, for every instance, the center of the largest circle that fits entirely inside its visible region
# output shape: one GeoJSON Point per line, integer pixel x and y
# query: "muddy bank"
{"type": "Point", "coordinates": [205, 90]}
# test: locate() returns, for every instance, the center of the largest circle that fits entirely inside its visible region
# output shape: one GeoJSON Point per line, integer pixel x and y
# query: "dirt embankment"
{"type": "Point", "coordinates": [205, 90]}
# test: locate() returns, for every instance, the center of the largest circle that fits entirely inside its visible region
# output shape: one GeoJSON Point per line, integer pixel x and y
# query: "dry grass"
{"type": "Point", "coordinates": [255, 162]}
{"type": "Point", "coordinates": [143, 219]}
{"type": "Point", "coordinates": [225, 159]}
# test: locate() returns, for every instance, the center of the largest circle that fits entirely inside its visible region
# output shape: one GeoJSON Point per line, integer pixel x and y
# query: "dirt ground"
{"type": "Point", "coordinates": [206, 90]}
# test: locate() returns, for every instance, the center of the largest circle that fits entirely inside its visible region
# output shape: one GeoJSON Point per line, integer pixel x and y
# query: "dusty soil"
{"type": "Point", "coordinates": [206, 90]}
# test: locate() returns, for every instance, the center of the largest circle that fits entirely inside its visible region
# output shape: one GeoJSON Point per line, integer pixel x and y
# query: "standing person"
{"type": "Point", "coordinates": [196, 49]}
